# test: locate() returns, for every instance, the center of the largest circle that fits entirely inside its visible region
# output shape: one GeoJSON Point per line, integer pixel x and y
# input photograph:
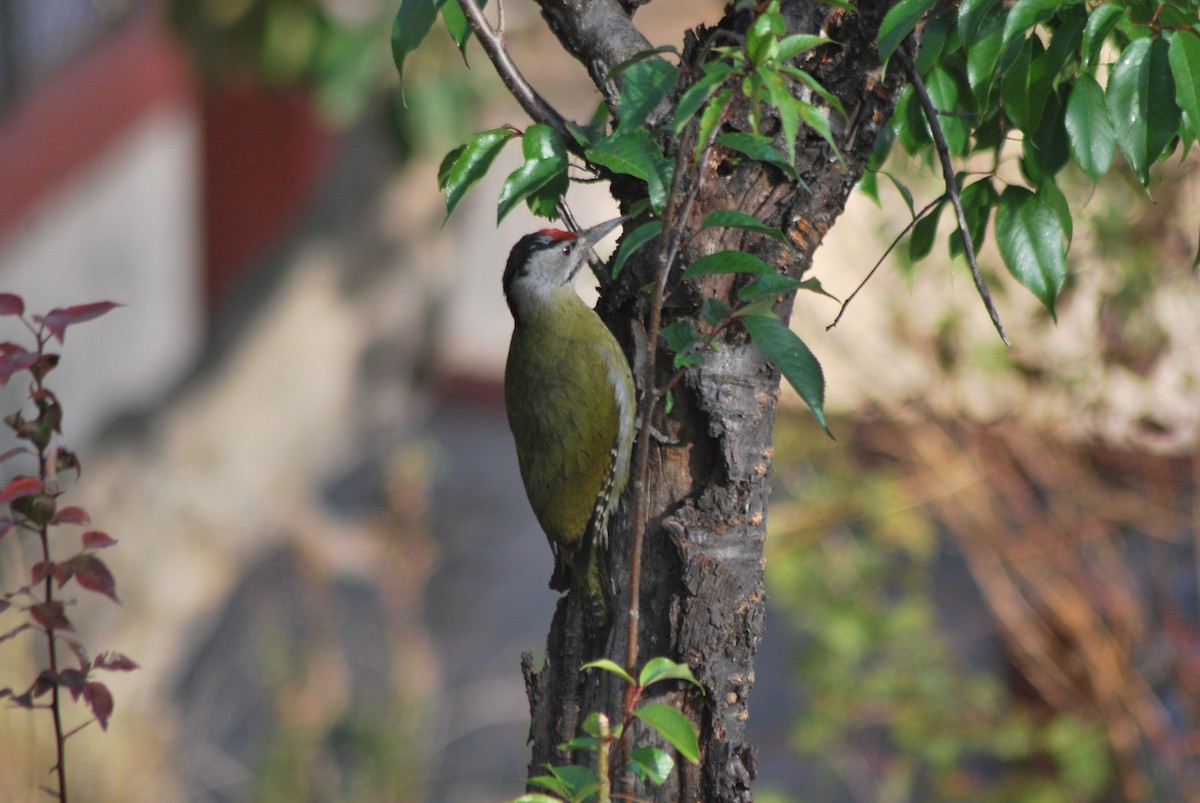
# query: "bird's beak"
{"type": "Point", "coordinates": [589, 237]}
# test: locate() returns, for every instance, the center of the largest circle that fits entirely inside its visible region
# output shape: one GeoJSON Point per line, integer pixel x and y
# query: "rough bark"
{"type": "Point", "coordinates": [703, 596]}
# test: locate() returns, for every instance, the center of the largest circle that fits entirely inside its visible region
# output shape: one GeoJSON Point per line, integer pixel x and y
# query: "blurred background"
{"type": "Point", "coordinates": [985, 589]}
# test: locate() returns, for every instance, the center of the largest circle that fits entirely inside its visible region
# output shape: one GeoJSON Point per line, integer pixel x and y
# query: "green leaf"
{"type": "Point", "coordinates": [673, 726]}
{"type": "Point", "coordinates": [545, 167]}
{"type": "Point", "coordinates": [732, 218]}
{"type": "Point", "coordinates": [591, 725]}
{"type": "Point", "coordinates": [1099, 25]}
{"type": "Point", "coordinates": [757, 147]}
{"type": "Point", "coordinates": [727, 262]}
{"type": "Point", "coordinates": [469, 162]}
{"type": "Point", "coordinates": [1026, 85]}
{"type": "Point", "coordinates": [971, 16]}
{"type": "Point", "coordinates": [590, 743]}
{"type": "Point", "coordinates": [633, 241]}
{"type": "Point", "coordinates": [905, 193]}
{"type": "Point", "coordinates": [612, 667]}
{"type": "Point", "coordinates": [525, 181]}
{"type": "Point", "coordinates": [768, 286]}
{"type": "Point", "coordinates": [1141, 102]}
{"type": "Point", "coordinates": [646, 84]}
{"type": "Point", "coordinates": [920, 242]}
{"type": "Point", "coordinates": [1064, 42]}
{"type": "Point", "coordinates": [695, 96]}
{"type": "Point", "coordinates": [536, 797]}
{"type": "Point", "coordinates": [1031, 242]}
{"type": "Point", "coordinates": [658, 669]}
{"type": "Point", "coordinates": [1048, 145]}
{"type": "Point", "coordinates": [787, 106]}
{"type": "Point", "coordinates": [1089, 128]}
{"type": "Point", "coordinates": [712, 116]}
{"type": "Point", "coordinates": [794, 45]}
{"type": "Point", "coordinates": [947, 94]}
{"type": "Point", "coordinates": [412, 23]}
{"type": "Point", "coordinates": [456, 23]}
{"type": "Point", "coordinates": [636, 154]}
{"type": "Point", "coordinates": [815, 119]}
{"type": "Point", "coordinates": [815, 85]}
{"type": "Point", "coordinates": [1184, 57]}
{"type": "Point", "coordinates": [788, 353]}
{"type": "Point", "coordinates": [651, 763]}
{"type": "Point", "coordinates": [715, 311]}
{"type": "Point", "coordinates": [681, 338]}
{"type": "Point", "coordinates": [814, 286]}
{"type": "Point", "coordinates": [977, 199]}
{"type": "Point", "coordinates": [1054, 198]}
{"type": "Point", "coordinates": [762, 40]}
{"type": "Point", "coordinates": [1028, 13]}
{"type": "Point", "coordinates": [899, 22]}
{"type": "Point", "coordinates": [983, 56]}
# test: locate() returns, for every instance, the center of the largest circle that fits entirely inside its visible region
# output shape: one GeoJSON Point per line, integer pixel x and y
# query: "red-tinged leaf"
{"type": "Point", "coordinates": [19, 488]}
{"type": "Point", "coordinates": [13, 452]}
{"type": "Point", "coordinates": [16, 631]}
{"type": "Point", "coordinates": [51, 615]}
{"type": "Point", "coordinates": [11, 304]}
{"type": "Point", "coordinates": [57, 320]}
{"type": "Point", "coordinates": [63, 572]}
{"type": "Point", "coordinates": [72, 515]}
{"type": "Point", "coordinates": [115, 662]}
{"type": "Point", "coordinates": [23, 700]}
{"type": "Point", "coordinates": [94, 539]}
{"type": "Point", "coordinates": [100, 699]}
{"type": "Point", "coordinates": [5, 692]}
{"type": "Point", "coordinates": [45, 682]}
{"type": "Point", "coordinates": [92, 574]}
{"type": "Point", "coordinates": [80, 653]}
{"type": "Point", "coordinates": [41, 570]}
{"type": "Point", "coordinates": [74, 681]}
{"type": "Point", "coordinates": [14, 361]}
{"type": "Point", "coordinates": [67, 461]}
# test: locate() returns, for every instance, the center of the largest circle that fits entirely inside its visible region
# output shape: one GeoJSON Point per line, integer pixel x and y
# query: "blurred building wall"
{"type": "Point", "coordinates": [100, 200]}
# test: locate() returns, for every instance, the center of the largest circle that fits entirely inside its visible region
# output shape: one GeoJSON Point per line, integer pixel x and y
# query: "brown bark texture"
{"type": "Point", "coordinates": [703, 598]}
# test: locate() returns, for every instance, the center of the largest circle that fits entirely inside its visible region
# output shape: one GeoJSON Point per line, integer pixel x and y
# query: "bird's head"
{"type": "Point", "coordinates": [546, 260]}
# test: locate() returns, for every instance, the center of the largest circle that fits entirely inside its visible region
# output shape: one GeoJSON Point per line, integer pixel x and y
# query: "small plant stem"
{"type": "Point", "coordinates": [675, 216]}
{"type": "Point", "coordinates": [492, 41]}
{"type": "Point", "coordinates": [960, 216]}
{"type": "Point", "coordinates": [60, 740]}
{"type": "Point", "coordinates": [604, 792]}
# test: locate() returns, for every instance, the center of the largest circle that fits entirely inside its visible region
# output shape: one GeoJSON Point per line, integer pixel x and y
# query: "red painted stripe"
{"type": "Point", "coordinates": [64, 124]}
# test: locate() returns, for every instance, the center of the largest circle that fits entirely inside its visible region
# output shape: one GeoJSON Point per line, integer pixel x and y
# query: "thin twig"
{"type": "Point", "coordinates": [943, 152]}
{"type": "Point", "coordinates": [520, 88]}
{"type": "Point", "coordinates": [904, 233]}
{"type": "Point", "coordinates": [675, 217]}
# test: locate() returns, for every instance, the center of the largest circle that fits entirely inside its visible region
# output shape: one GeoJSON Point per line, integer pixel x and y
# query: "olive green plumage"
{"type": "Point", "coordinates": [569, 395]}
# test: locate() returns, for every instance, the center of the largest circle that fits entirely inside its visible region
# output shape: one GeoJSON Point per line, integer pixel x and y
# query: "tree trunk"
{"type": "Point", "coordinates": [702, 567]}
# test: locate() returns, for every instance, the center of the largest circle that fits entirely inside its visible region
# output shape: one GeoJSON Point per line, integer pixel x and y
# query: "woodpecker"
{"type": "Point", "coordinates": [569, 394]}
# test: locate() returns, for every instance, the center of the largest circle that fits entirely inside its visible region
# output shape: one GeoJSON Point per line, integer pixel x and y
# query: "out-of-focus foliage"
{"type": "Point", "coordinates": [907, 698]}
{"type": "Point", "coordinates": [287, 44]}
{"type": "Point", "coordinates": [1042, 84]}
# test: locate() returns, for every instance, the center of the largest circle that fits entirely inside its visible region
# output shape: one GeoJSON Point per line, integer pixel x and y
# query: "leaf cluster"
{"type": "Point", "coordinates": [574, 783]}
{"type": "Point", "coordinates": [33, 508]}
{"type": "Point", "coordinates": [1058, 82]}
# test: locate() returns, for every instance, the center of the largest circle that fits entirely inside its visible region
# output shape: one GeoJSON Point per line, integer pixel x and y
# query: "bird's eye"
{"type": "Point", "coordinates": [566, 249]}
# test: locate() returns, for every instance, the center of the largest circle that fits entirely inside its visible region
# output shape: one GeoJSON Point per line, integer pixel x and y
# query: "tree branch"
{"type": "Point", "coordinates": [943, 151]}
{"type": "Point", "coordinates": [895, 242]}
{"type": "Point", "coordinates": [493, 45]}
{"type": "Point", "coordinates": [597, 32]}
